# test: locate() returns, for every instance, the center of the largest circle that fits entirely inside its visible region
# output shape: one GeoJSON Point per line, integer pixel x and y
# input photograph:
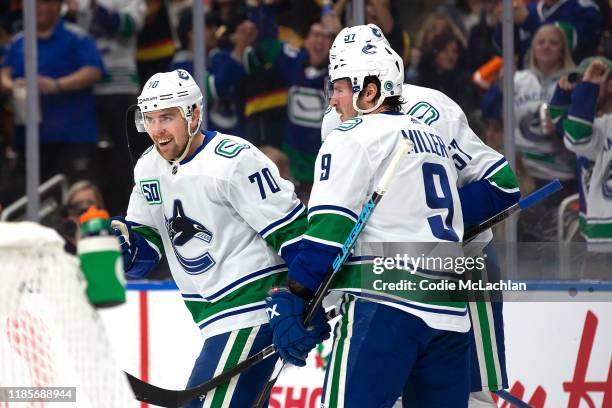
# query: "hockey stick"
{"type": "Point", "coordinates": [517, 402]}
{"type": "Point", "coordinates": [472, 233]}
{"type": "Point", "coordinates": [523, 203]}
{"type": "Point", "coordinates": [174, 398]}
{"type": "Point", "coordinates": [317, 300]}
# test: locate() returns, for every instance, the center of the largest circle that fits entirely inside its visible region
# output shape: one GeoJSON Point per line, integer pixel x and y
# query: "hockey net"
{"type": "Point", "coordinates": [50, 336]}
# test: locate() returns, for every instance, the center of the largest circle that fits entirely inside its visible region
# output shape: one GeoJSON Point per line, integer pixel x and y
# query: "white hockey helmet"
{"type": "Point", "coordinates": [359, 34]}
{"type": "Point", "coordinates": [168, 90]}
{"type": "Point", "coordinates": [360, 60]}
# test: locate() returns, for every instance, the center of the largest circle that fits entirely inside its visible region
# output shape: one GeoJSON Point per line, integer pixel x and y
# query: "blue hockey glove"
{"type": "Point", "coordinates": [139, 258]}
{"type": "Point", "coordinates": [122, 230]}
{"type": "Point", "coordinates": [286, 315]}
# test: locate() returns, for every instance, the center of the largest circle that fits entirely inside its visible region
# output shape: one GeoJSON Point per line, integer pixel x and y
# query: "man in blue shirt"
{"type": "Point", "coordinates": [68, 66]}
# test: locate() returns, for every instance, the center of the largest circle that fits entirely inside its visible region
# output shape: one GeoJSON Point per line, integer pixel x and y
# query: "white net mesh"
{"type": "Point", "coordinates": [50, 336]}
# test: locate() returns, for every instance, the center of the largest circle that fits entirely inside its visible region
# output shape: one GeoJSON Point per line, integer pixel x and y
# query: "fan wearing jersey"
{"type": "Point", "coordinates": [583, 113]}
{"type": "Point", "coordinates": [382, 341]}
{"type": "Point", "coordinates": [227, 223]}
{"type": "Point", "coordinates": [483, 173]}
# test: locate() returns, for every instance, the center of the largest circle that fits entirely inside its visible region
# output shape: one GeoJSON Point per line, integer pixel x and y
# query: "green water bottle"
{"type": "Point", "coordinates": [101, 260]}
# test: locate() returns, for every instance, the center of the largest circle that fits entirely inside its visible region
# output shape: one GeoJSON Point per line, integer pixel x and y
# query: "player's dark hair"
{"type": "Point", "coordinates": [391, 103]}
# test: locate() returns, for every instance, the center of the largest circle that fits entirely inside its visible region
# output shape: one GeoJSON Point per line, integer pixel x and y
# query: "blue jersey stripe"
{"type": "Point", "coordinates": [407, 304]}
{"type": "Point", "coordinates": [232, 313]}
{"type": "Point", "coordinates": [222, 291]}
{"type": "Point", "coordinates": [287, 217]}
{"type": "Point", "coordinates": [494, 167]}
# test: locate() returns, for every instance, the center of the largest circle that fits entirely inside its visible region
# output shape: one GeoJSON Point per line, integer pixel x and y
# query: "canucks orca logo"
{"type": "Point", "coordinates": [369, 49]}
{"type": "Point", "coordinates": [376, 32]}
{"type": "Point", "coordinates": [531, 128]}
{"type": "Point", "coordinates": [182, 74]}
{"type": "Point", "coordinates": [188, 234]}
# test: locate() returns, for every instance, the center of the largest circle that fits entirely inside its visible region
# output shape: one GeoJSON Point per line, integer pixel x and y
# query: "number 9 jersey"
{"type": "Point", "coordinates": [421, 204]}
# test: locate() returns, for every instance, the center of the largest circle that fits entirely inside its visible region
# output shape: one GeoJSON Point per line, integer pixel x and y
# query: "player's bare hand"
{"type": "Point", "coordinates": [596, 73]}
{"type": "Point", "coordinates": [565, 84]}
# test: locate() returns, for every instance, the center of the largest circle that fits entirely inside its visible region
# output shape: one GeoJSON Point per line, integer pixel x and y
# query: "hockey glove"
{"type": "Point", "coordinates": [286, 315]}
{"type": "Point", "coordinates": [138, 256]}
{"type": "Point", "coordinates": [124, 233]}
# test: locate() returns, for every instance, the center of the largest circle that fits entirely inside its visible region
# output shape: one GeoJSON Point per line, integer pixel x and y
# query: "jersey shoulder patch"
{"type": "Point", "coordinates": [229, 148]}
{"type": "Point", "coordinates": [349, 124]}
{"type": "Point", "coordinates": [424, 111]}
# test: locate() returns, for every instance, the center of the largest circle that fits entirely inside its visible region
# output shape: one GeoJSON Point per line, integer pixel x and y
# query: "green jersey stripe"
{"type": "Point", "coordinates": [232, 359]}
{"type": "Point", "coordinates": [578, 131]}
{"type": "Point", "coordinates": [397, 284]}
{"type": "Point", "coordinates": [255, 291]}
{"type": "Point", "coordinates": [504, 179]}
{"type": "Point", "coordinates": [151, 235]}
{"type": "Point", "coordinates": [329, 227]}
{"type": "Point", "coordinates": [594, 231]}
{"type": "Point", "coordinates": [288, 232]}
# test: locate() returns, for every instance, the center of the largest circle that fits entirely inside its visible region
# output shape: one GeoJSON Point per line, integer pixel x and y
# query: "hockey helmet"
{"type": "Point", "coordinates": [167, 90]}
{"type": "Point", "coordinates": [360, 60]}
{"type": "Point", "coordinates": [359, 34]}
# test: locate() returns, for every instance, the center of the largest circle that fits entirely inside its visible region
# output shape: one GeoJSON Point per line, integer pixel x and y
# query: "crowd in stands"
{"type": "Point", "coordinates": [266, 68]}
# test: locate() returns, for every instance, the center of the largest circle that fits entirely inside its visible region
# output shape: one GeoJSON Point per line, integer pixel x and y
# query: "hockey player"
{"type": "Point", "coordinates": [483, 173]}
{"type": "Point", "coordinates": [227, 223]}
{"type": "Point", "coordinates": [382, 341]}
{"type": "Point", "coordinates": [584, 111]}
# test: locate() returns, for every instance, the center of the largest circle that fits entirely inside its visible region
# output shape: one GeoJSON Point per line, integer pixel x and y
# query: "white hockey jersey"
{"type": "Point", "coordinates": [222, 217]}
{"type": "Point", "coordinates": [542, 153]}
{"type": "Point", "coordinates": [596, 145]}
{"type": "Point", "coordinates": [118, 49]}
{"type": "Point", "coordinates": [473, 159]}
{"type": "Point", "coordinates": [421, 205]}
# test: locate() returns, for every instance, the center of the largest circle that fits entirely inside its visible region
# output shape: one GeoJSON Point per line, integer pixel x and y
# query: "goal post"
{"type": "Point", "coordinates": [50, 336]}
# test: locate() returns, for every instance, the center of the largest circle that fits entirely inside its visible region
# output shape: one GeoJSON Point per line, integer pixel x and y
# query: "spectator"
{"type": "Point", "coordinates": [584, 111]}
{"type": "Point", "coordinates": [381, 12]}
{"type": "Point", "coordinates": [81, 195]}
{"type": "Point", "coordinates": [582, 18]}
{"type": "Point", "coordinates": [303, 72]}
{"type": "Point", "coordinates": [155, 45]}
{"type": "Point", "coordinates": [541, 152]}
{"type": "Point", "coordinates": [480, 48]}
{"type": "Point", "coordinates": [114, 25]}
{"type": "Point", "coordinates": [433, 26]}
{"type": "Point", "coordinates": [442, 68]}
{"type": "Point", "coordinates": [224, 70]}
{"type": "Point", "coordinates": [68, 66]}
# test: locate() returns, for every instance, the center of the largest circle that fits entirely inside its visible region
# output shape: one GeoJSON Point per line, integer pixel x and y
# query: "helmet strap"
{"type": "Point", "coordinates": [191, 136]}
{"type": "Point", "coordinates": [379, 102]}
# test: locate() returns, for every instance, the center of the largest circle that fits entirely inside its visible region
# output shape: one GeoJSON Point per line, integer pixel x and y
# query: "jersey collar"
{"type": "Point", "coordinates": [208, 136]}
